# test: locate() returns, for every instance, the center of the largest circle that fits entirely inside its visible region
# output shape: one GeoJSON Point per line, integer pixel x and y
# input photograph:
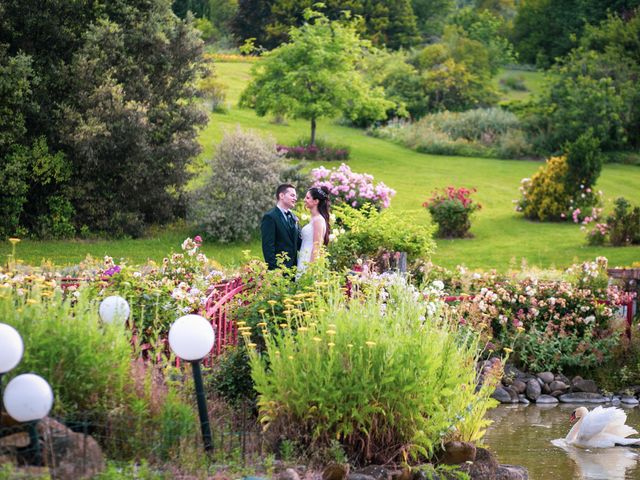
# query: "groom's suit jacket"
{"type": "Point", "coordinates": [279, 237]}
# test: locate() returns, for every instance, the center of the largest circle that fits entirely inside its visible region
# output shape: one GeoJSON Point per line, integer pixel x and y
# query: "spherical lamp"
{"type": "Point", "coordinates": [191, 337]}
{"type": "Point", "coordinates": [11, 348]}
{"type": "Point", "coordinates": [114, 309]}
{"type": "Point", "coordinates": [28, 398]}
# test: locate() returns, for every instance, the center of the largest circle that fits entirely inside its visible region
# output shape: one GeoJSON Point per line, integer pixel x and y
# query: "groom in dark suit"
{"type": "Point", "coordinates": [280, 230]}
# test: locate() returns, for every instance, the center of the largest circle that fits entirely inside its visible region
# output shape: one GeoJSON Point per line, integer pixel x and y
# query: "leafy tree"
{"type": "Point", "coordinates": [315, 75]}
{"type": "Point", "coordinates": [251, 20]}
{"type": "Point", "coordinates": [584, 161]}
{"type": "Point", "coordinates": [115, 118]}
{"type": "Point", "coordinates": [431, 16]}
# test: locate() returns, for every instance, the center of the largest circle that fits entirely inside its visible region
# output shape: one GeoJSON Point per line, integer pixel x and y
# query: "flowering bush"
{"type": "Point", "coordinates": [350, 188]}
{"type": "Point", "coordinates": [314, 152]}
{"type": "Point", "coordinates": [451, 209]}
{"type": "Point", "coordinates": [546, 196]}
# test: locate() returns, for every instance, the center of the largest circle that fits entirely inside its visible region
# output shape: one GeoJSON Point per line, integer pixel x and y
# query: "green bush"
{"type": "Point", "coordinates": [85, 361]}
{"type": "Point", "coordinates": [451, 210]}
{"type": "Point", "coordinates": [544, 195]}
{"type": "Point", "coordinates": [372, 372]}
{"type": "Point", "coordinates": [365, 233]}
{"type": "Point", "coordinates": [584, 161]}
{"type": "Point", "coordinates": [624, 224]}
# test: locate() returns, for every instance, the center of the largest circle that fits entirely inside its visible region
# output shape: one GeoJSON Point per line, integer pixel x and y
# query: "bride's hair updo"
{"type": "Point", "coordinates": [322, 195]}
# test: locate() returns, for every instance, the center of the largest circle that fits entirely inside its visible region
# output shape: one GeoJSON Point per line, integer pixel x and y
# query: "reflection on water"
{"type": "Point", "coordinates": [533, 436]}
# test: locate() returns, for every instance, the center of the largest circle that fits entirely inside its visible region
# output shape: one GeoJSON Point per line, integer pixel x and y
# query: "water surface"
{"type": "Point", "coordinates": [522, 435]}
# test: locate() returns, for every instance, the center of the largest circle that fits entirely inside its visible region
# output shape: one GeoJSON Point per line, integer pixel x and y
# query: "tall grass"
{"type": "Point", "coordinates": [374, 373]}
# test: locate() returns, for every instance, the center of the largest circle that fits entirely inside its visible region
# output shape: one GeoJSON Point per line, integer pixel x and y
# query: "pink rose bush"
{"type": "Point", "coordinates": [351, 188]}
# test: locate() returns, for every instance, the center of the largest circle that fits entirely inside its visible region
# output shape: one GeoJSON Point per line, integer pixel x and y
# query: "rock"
{"type": "Point", "coordinates": [484, 467]}
{"type": "Point", "coordinates": [545, 388]}
{"type": "Point", "coordinates": [69, 455]}
{"type": "Point", "coordinates": [577, 378]}
{"type": "Point", "coordinates": [513, 394]}
{"type": "Point", "coordinates": [519, 386]}
{"type": "Point", "coordinates": [288, 474]}
{"type": "Point", "coordinates": [511, 472]}
{"type": "Point", "coordinates": [556, 393]}
{"type": "Point", "coordinates": [511, 371]}
{"type": "Point", "coordinates": [359, 476]}
{"type": "Point", "coordinates": [456, 453]}
{"type": "Point", "coordinates": [558, 385]}
{"type": "Point", "coordinates": [335, 471]}
{"type": "Point", "coordinates": [548, 399]}
{"type": "Point", "coordinates": [561, 378]}
{"type": "Point", "coordinates": [587, 386]}
{"type": "Point", "coordinates": [629, 400]}
{"type": "Point", "coordinates": [507, 381]}
{"type": "Point", "coordinates": [546, 377]}
{"type": "Point", "coordinates": [615, 400]}
{"type": "Point", "coordinates": [523, 399]}
{"type": "Point", "coordinates": [533, 389]}
{"type": "Point", "coordinates": [404, 474]}
{"type": "Point", "coordinates": [582, 397]}
{"type": "Point", "coordinates": [501, 395]}
{"type": "Point", "coordinates": [16, 440]}
{"type": "Point", "coordinates": [375, 471]}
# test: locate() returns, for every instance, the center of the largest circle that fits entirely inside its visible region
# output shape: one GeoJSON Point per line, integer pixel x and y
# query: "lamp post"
{"type": "Point", "coordinates": [191, 338]}
{"type": "Point", "coordinates": [29, 398]}
{"type": "Point", "coordinates": [114, 309]}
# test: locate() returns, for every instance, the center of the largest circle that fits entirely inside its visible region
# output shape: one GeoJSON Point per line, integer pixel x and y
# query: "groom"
{"type": "Point", "coordinates": [279, 228]}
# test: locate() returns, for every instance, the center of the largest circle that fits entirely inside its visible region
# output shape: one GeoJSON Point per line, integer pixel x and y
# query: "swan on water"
{"type": "Point", "coordinates": [600, 428]}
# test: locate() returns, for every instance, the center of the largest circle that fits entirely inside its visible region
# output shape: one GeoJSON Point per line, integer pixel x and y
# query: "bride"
{"type": "Point", "coordinates": [316, 233]}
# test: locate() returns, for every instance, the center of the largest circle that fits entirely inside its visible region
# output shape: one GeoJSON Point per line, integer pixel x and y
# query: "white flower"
{"type": "Point", "coordinates": [438, 284]}
{"type": "Point", "coordinates": [589, 319]}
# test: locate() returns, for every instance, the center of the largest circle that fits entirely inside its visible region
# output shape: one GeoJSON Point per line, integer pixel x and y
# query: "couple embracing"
{"type": "Point", "coordinates": [281, 232]}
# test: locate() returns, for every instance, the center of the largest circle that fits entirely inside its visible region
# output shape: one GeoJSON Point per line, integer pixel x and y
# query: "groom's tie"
{"type": "Point", "coordinates": [292, 222]}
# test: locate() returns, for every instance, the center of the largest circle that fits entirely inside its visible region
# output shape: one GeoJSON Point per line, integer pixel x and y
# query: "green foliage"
{"type": "Point", "coordinates": [85, 362]}
{"type": "Point", "coordinates": [231, 377]}
{"type": "Point", "coordinates": [383, 380]}
{"type": "Point", "coordinates": [451, 210]}
{"type": "Point", "coordinates": [240, 187]}
{"type": "Point", "coordinates": [491, 132]}
{"type": "Point", "coordinates": [111, 92]}
{"type": "Point", "coordinates": [545, 196]}
{"type": "Point", "coordinates": [315, 76]}
{"type": "Point", "coordinates": [624, 224]}
{"type": "Point", "coordinates": [584, 161]}
{"type": "Point", "coordinates": [367, 233]}
{"type": "Point", "coordinates": [431, 15]}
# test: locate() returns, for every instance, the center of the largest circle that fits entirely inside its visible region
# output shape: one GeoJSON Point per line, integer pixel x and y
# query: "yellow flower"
{"type": "Point", "coordinates": [283, 325]}
{"type": "Point", "coordinates": [277, 353]}
{"type": "Point", "coordinates": [246, 334]}
{"type": "Point", "coordinates": [331, 332]}
{"type": "Point", "coordinates": [271, 302]}
{"type": "Point", "coordinates": [290, 357]}
{"type": "Point", "coordinates": [262, 324]}
{"type": "Point", "coordinates": [349, 345]}
{"type": "Point", "coordinates": [298, 302]}
{"type": "Point", "coordinates": [252, 345]}
{"type": "Point", "coordinates": [261, 311]}
{"type": "Point", "coordinates": [508, 350]}
{"type": "Point", "coordinates": [370, 343]}
{"type": "Point", "coordinates": [241, 323]}
{"type": "Point", "coordinates": [32, 301]}
{"type": "Point", "coordinates": [520, 329]}
{"type": "Point", "coordinates": [14, 240]}
{"type": "Point", "coordinates": [317, 339]}
{"type": "Point", "coordinates": [286, 312]}
{"type": "Point", "coordinates": [332, 325]}
{"type": "Point", "coordinates": [331, 344]}
{"type": "Point", "coordinates": [302, 329]}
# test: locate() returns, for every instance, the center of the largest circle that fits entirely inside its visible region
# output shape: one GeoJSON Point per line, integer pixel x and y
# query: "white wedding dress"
{"type": "Point", "coordinates": [304, 255]}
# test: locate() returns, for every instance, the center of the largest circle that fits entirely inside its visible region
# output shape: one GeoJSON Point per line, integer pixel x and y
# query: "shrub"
{"type": "Point", "coordinates": [240, 188]}
{"type": "Point", "coordinates": [451, 209]}
{"type": "Point", "coordinates": [547, 196]}
{"type": "Point", "coordinates": [372, 372]}
{"type": "Point", "coordinates": [624, 224]}
{"type": "Point", "coordinates": [513, 82]}
{"type": "Point", "coordinates": [366, 233]}
{"type": "Point", "coordinates": [320, 151]}
{"type": "Point", "coordinates": [350, 188]}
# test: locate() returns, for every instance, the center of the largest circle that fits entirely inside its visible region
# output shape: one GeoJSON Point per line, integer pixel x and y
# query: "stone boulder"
{"type": "Point", "coordinates": [586, 386]}
{"type": "Point", "coordinates": [288, 474]}
{"type": "Point", "coordinates": [546, 399]}
{"type": "Point", "coordinates": [377, 472]}
{"type": "Point", "coordinates": [557, 385]}
{"type": "Point", "coordinates": [501, 394]}
{"type": "Point", "coordinates": [69, 455]}
{"type": "Point", "coordinates": [533, 389]}
{"type": "Point", "coordinates": [519, 386]}
{"type": "Point", "coordinates": [335, 471]}
{"type": "Point", "coordinates": [511, 472]}
{"type": "Point", "coordinates": [486, 467]}
{"type": "Point", "coordinates": [582, 397]}
{"type": "Point", "coordinates": [456, 453]}
{"type": "Point", "coordinates": [546, 377]}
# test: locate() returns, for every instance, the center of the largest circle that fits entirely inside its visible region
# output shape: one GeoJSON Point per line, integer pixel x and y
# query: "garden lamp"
{"type": "Point", "coordinates": [114, 309]}
{"type": "Point", "coordinates": [191, 338]}
{"type": "Point", "coordinates": [28, 398]}
{"type": "Point", "coordinates": [11, 348]}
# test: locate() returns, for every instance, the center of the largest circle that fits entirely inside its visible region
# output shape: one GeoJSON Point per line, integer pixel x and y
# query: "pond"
{"type": "Point", "coordinates": [522, 435]}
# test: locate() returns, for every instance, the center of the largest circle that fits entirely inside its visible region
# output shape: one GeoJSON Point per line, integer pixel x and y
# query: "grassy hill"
{"type": "Point", "coordinates": [501, 237]}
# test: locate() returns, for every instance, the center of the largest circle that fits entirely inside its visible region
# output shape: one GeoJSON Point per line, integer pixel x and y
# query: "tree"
{"type": "Point", "coordinates": [315, 75]}
{"type": "Point", "coordinates": [431, 16]}
{"type": "Point", "coordinates": [115, 114]}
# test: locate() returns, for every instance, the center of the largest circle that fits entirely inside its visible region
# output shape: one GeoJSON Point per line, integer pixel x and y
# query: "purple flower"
{"type": "Point", "coordinates": [112, 271]}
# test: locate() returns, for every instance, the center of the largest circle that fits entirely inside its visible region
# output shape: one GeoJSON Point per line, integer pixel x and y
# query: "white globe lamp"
{"type": "Point", "coordinates": [191, 337]}
{"type": "Point", "coordinates": [28, 398]}
{"type": "Point", "coordinates": [11, 348]}
{"type": "Point", "coordinates": [114, 309]}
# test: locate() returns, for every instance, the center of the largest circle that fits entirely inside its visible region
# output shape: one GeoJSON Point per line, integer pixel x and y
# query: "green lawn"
{"type": "Point", "coordinates": [532, 81]}
{"type": "Point", "coordinates": [501, 237]}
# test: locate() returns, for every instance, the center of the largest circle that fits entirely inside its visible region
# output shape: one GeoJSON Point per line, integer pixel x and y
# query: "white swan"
{"type": "Point", "coordinates": [600, 428]}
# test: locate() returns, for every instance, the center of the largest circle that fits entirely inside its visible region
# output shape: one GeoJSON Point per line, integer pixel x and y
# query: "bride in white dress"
{"type": "Point", "coordinates": [316, 233]}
